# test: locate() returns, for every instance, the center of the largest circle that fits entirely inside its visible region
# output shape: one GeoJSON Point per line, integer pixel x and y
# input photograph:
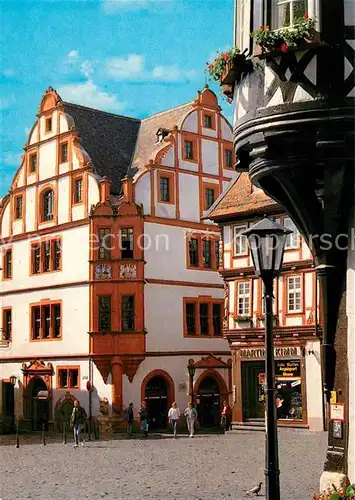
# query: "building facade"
{"type": "Point", "coordinates": [297, 320]}
{"type": "Point", "coordinates": [294, 135]}
{"type": "Point", "coordinates": [109, 281]}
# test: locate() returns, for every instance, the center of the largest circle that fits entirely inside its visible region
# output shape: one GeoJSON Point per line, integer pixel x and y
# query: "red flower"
{"type": "Point", "coordinates": [210, 67]}
{"type": "Point", "coordinates": [284, 48]}
{"type": "Point", "coordinates": [226, 57]}
{"type": "Point", "coordinates": [305, 15]}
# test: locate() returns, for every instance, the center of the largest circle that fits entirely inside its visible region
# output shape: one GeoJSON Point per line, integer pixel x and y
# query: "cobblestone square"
{"type": "Point", "coordinates": [207, 467]}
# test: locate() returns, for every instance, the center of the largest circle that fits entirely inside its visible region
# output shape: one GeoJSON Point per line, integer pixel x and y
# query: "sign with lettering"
{"type": "Point", "coordinates": [279, 352]}
{"type": "Point", "coordinates": [337, 412]}
{"type": "Point", "coordinates": [288, 368]}
{"type": "Point", "coordinates": [337, 429]}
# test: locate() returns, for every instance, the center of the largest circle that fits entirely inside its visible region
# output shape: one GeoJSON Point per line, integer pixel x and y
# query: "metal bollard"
{"type": "Point", "coordinates": [17, 435]}
{"type": "Point", "coordinates": [43, 436]}
{"type": "Point", "coordinates": [64, 433]}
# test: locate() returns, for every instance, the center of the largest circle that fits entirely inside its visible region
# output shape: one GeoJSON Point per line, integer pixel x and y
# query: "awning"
{"type": "Point", "coordinates": [42, 395]}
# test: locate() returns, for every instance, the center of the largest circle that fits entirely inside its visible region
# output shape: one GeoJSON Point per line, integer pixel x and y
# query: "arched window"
{"type": "Point", "coordinates": [47, 205]}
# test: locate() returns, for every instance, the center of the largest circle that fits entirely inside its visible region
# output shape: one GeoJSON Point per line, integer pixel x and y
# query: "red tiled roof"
{"type": "Point", "coordinates": [241, 198]}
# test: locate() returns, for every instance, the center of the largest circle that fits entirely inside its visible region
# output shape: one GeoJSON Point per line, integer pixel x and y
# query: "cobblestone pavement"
{"type": "Point", "coordinates": [206, 467]}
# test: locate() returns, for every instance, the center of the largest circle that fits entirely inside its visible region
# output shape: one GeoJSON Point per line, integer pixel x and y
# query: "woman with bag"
{"type": "Point", "coordinates": [226, 417]}
{"type": "Point", "coordinates": [143, 413]}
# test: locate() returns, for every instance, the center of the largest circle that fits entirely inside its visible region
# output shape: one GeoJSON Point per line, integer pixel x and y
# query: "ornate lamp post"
{"type": "Point", "coordinates": [192, 369]}
{"type": "Point", "coordinates": [13, 379]}
{"type": "Point", "coordinates": [266, 241]}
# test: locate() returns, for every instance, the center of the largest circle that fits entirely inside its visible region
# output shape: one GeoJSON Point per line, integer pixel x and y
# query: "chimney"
{"type": "Point", "coordinates": [127, 186]}
{"type": "Point", "coordinates": [105, 188]}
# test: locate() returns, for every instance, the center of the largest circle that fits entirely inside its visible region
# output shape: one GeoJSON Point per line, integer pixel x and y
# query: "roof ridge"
{"type": "Point", "coordinates": [167, 110]}
{"type": "Point", "coordinates": [101, 111]}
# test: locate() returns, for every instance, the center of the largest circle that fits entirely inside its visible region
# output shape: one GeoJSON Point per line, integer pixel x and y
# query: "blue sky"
{"type": "Point", "coordinates": [132, 57]}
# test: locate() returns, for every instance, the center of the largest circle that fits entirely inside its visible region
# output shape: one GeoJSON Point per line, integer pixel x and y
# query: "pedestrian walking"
{"type": "Point", "coordinates": [143, 413]}
{"type": "Point", "coordinates": [173, 416]}
{"type": "Point", "coordinates": [128, 416]}
{"type": "Point", "coordinates": [77, 420]}
{"type": "Point", "coordinates": [191, 417]}
{"type": "Point", "coordinates": [226, 417]}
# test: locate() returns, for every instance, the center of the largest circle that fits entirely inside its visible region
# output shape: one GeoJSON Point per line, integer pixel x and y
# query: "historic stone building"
{"type": "Point", "coordinates": [293, 93]}
{"type": "Point", "coordinates": [109, 276]}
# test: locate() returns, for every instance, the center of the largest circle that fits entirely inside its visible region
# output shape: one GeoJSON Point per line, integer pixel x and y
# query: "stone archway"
{"type": "Point", "coordinates": [37, 393]}
{"type": "Point", "coordinates": [158, 392]}
{"type": "Point", "coordinates": [210, 391]}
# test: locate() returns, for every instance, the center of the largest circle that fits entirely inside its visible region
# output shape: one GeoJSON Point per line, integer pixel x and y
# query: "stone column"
{"type": "Point", "coordinates": [117, 372]}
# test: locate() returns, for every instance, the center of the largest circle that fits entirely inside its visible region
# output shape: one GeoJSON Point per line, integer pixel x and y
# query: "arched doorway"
{"type": "Point", "coordinates": [210, 392]}
{"type": "Point", "coordinates": [158, 393]}
{"type": "Point", "coordinates": [38, 405]}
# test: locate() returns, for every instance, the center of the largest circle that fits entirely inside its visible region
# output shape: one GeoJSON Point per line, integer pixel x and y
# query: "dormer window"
{"type": "Point", "coordinates": [48, 205]}
{"type": "Point", "coordinates": [48, 124]}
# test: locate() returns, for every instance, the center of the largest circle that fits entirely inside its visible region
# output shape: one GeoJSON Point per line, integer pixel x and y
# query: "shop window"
{"type": "Point", "coordinates": [189, 150]}
{"type": "Point", "coordinates": [206, 254]}
{"type": "Point", "coordinates": [127, 313]}
{"type": "Point", "coordinates": [127, 243]}
{"type": "Point", "coordinates": [7, 265]}
{"type": "Point", "coordinates": [193, 252]}
{"type": "Point", "coordinates": [217, 319]}
{"type": "Point", "coordinates": [294, 294]}
{"type": "Point", "coordinates": [104, 252]}
{"type": "Point", "coordinates": [64, 152]}
{"type": "Point", "coordinates": [287, 12]}
{"type": "Point", "coordinates": [18, 207]}
{"type": "Point", "coordinates": [68, 378]}
{"type": "Point", "coordinates": [48, 205]}
{"type": "Point", "coordinates": [7, 324]}
{"type": "Point", "coordinates": [244, 298]}
{"type": "Point", "coordinates": [78, 190]}
{"type": "Point", "coordinates": [240, 241]}
{"type": "Point", "coordinates": [164, 189]}
{"type": "Point", "coordinates": [288, 389]}
{"type": "Point", "coordinates": [48, 124]}
{"type": "Point", "coordinates": [33, 162]}
{"type": "Point", "coordinates": [190, 313]}
{"type": "Point", "coordinates": [104, 313]}
{"type": "Point", "coordinates": [292, 238]}
{"type": "Point", "coordinates": [46, 321]}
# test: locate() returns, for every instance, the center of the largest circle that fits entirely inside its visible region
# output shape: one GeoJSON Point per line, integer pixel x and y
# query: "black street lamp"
{"type": "Point", "coordinates": [266, 241]}
{"type": "Point", "coordinates": [13, 379]}
{"type": "Point", "coordinates": [192, 369]}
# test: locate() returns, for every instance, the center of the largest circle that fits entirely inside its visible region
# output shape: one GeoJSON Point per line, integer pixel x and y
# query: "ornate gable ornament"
{"type": "Point", "coordinates": [38, 367]}
{"type": "Point", "coordinates": [103, 208]}
{"type": "Point", "coordinates": [51, 99]}
{"type": "Point", "coordinates": [212, 361]}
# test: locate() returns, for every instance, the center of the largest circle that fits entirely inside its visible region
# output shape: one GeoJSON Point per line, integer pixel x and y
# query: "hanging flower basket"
{"type": "Point", "coordinates": [243, 319]}
{"type": "Point", "coordinates": [227, 69]}
{"type": "Point", "coordinates": [290, 38]}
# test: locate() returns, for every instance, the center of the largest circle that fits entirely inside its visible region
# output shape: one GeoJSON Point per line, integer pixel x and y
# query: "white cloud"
{"type": "Point", "coordinates": [87, 68]}
{"type": "Point", "coordinates": [11, 159]}
{"type": "Point", "coordinates": [111, 6]}
{"type": "Point", "coordinates": [89, 94]}
{"type": "Point", "coordinates": [172, 74]}
{"type": "Point", "coordinates": [121, 68]}
{"type": "Point", "coordinates": [73, 56]}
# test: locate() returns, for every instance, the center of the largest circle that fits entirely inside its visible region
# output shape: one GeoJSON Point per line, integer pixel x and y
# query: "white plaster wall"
{"type": "Point", "coordinates": [53, 132]}
{"type": "Point", "coordinates": [33, 136]}
{"type": "Point", "coordinates": [63, 123]}
{"type": "Point", "coordinates": [63, 167]}
{"type": "Point", "coordinates": [350, 308]}
{"type": "Point", "coordinates": [176, 367]}
{"type": "Point", "coordinates": [78, 212]}
{"type": "Point", "coordinates": [93, 191]}
{"type": "Point", "coordinates": [21, 177]}
{"type": "Point", "coordinates": [190, 123]}
{"type": "Point", "coordinates": [188, 190]}
{"type": "Point", "coordinates": [291, 255]}
{"type": "Point", "coordinates": [142, 192]}
{"type": "Point", "coordinates": [314, 386]}
{"type": "Point", "coordinates": [63, 199]}
{"type": "Point", "coordinates": [5, 224]}
{"type": "Point", "coordinates": [47, 160]}
{"type": "Point", "coordinates": [164, 319]}
{"type": "Point", "coordinates": [185, 165]}
{"type": "Point", "coordinates": [165, 210]}
{"type": "Point", "coordinates": [227, 133]}
{"type": "Point", "coordinates": [168, 159]}
{"type": "Point", "coordinates": [165, 255]}
{"type": "Point", "coordinates": [75, 267]}
{"type": "Point", "coordinates": [209, 131]}
{"type": "Point", "coordinates": [17, 227]}
{"type": "Point", "coordinates": [308, 289]}
{"type": "Point", "coordinates": [232, 304]}
{"type": "Point", "coordinates": [31, 178]}
{"type": "Point", "coordinates": [30, 209]}
{"type": "Point", "coordinates": [210, 164]}
{"type": "Point", "coordinates": [75, 322]}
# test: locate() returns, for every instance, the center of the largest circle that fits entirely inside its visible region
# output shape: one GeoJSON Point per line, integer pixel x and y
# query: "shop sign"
{"type": "Point", "coordinates": [279, 352]}
{"type": "Point", "coordinates": [337, 429]}
{"type": "Point", "coordinates": [288, 369]}
{"type": "Point", "coordinates": [337, 412]}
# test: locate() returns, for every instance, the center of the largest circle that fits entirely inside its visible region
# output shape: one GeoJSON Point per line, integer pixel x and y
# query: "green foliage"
{"type": "Point", "coordinates": [349, 494]}
{"type": "Point", "coordinates": [284, 38]}
{"type": "Point", "coordinates": [218, 66]}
